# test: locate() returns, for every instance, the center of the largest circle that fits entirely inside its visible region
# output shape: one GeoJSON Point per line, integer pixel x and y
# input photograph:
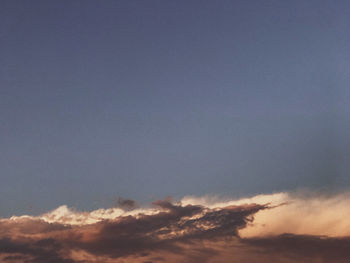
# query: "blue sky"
{"type": "Point", "coordinates": [145, 99]}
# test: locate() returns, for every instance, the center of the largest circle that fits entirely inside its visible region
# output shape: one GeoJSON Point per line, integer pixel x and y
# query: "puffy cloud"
{"type": "Point", "coordinates": [206, 229]}
{"type": "Point", "coordinates": [65, 235]}
{"type": "Point", "coordinates": [304, 214]}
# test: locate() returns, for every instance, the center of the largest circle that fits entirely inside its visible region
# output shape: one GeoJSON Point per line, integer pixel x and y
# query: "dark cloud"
{"type": "Point", "coordinates": [33, 251]}
{"type": "Point", "coordinates": [171, 233]}
{"type": "Point", "coordinates": [303, 248]}
{"type": "Point", "coordinates": [170, 229]}
{"type": "Point", "coordinates": [126, 204]}
{"type": "Point", "coordinates": [165, 230]}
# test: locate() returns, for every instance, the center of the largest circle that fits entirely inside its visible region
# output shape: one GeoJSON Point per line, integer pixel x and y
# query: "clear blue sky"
{"type": "Point", "coordinates": [145, 99]}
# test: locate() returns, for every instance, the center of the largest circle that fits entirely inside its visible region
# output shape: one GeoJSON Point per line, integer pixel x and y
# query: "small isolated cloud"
{"type": "Point", "coordinates": [126, 204]}
{"type": "Point", "coordinates": [193, 230]}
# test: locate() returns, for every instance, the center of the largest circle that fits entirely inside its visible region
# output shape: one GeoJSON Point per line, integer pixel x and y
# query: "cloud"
{"type": "Point", "coordinates": [204, 229]}
{"type": "Point", "coordinates": [304, 214]}
{"type": "Point", "coordinates": [303, 248]}
{"type": "Point", "coordinates": [126, 204]}
{"type": "Point", "coordinates": [31, 250]}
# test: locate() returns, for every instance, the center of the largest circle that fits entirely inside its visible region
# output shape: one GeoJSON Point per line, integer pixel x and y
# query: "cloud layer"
{"type": "Point", "coordinates": [280, 227]}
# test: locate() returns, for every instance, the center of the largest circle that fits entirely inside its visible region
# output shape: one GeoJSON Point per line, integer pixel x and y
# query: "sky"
{"type": "Point", "coordinates": [149, 99]}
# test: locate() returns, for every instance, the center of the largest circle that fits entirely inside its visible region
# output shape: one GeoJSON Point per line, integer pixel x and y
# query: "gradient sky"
{"type": "Point", "coordinates": [145, 99]}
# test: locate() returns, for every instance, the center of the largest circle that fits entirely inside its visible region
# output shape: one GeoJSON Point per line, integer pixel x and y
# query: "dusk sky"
{"type": "Point", "coordinates": [146, 99]}
{"type": "Point", "coordinates": [174, 131]}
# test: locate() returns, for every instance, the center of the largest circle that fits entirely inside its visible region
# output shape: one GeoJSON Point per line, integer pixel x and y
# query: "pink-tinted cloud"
{"type": "Point", "coordinates": [200, 230]}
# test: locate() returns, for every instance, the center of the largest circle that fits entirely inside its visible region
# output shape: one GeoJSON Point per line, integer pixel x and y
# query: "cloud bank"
{"type": "Point", "coordinates": [281, 227]}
